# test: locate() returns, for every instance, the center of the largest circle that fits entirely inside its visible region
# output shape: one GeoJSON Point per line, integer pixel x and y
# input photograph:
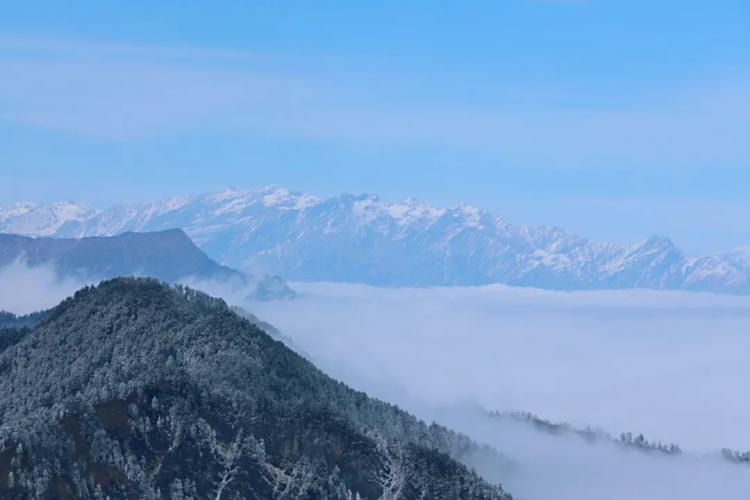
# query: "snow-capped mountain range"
{"type": "Point", "coordinates": [359, 238]}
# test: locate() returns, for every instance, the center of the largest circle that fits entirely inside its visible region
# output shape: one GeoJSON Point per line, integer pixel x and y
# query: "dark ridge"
{"type": "Point", "coordinates": [168, 255]}
{"type": "Point", "coordinates": [165, 255]}
{"type": "Point", "coordinates": [134, 389]}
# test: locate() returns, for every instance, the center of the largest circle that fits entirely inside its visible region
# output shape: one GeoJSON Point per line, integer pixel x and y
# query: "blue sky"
{"type": "Point", "coordinates": [615, 119]}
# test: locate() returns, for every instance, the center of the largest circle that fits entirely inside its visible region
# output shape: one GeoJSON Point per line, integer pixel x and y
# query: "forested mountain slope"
{"type": "Point", "coordinates": [134, 389]}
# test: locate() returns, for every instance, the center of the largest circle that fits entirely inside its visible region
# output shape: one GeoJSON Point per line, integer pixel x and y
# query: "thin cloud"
{"type": "Point", "coordinates": [130, 99]}
{"type": "Point", "coordinates": [122, 92]}
{"type": "Point", "coordinates": [39, 46]}
{"type": "Point", "coordinates": [25, 289]}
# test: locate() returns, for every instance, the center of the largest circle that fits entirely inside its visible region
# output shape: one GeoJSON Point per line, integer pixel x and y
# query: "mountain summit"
{"type": "Point", "coordinates": [359, 238]}
{"type": "Point", "coordinates": [167, 255]}
{"type": "Point", "coordinates": [133, 389]}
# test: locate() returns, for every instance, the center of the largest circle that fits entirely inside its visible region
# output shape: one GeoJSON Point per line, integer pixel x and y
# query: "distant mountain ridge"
{"type": "Point", "coordinates": [359, 238]}
{"type": "Point", "coordinates": [167, 255]}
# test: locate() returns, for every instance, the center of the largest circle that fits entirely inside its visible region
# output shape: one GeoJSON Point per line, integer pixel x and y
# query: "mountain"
{"type": "Point", "coordinates": [362, 239]}
{"type": "Point", "coordinates": [10, 320]}
{"type": "Point", "coordinates": [134, 389]}
{"type": "Point", "coordinates": [167, 255]}
{"type": "Point", "coordinates": [14, 328]}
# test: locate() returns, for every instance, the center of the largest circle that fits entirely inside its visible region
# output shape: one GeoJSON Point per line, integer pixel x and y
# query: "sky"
{"type": "Point", "coordinates": [617, 120]}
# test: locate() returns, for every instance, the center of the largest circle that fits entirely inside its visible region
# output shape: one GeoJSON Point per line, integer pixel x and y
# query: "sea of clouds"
{"type": "Point", "coordinates": [667, 364]}
{"type": "Point", "coordinates": [632, 360]}
{"type": "Point", "coordinates": [670, 365]}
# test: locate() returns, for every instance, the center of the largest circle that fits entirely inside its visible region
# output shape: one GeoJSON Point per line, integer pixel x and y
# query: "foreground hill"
{"type": "Point", "coordinates": [167, 255]}
{"type": "Point", "coordinates": [362, 239]}
{"type": "Point", "coordinates": [133, 389]}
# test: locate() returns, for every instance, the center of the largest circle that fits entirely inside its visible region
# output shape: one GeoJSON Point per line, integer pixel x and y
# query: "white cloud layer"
{"type": "Point", "coordinates": [670, 365]}
{"type": "Point", "coordinates": [25, 289]}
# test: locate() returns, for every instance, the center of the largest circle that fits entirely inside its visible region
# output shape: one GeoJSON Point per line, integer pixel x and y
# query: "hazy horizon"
{"type": "Point", "coordinates": [615, 121]}
{"type": "Point", "coordinates": [389, 200]}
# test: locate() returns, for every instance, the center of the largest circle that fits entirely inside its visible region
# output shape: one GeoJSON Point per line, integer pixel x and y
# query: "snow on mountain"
{"type": "Point", "coordinates": [360, 238]}
{"type": "Point", "coordinates": [42, 220]}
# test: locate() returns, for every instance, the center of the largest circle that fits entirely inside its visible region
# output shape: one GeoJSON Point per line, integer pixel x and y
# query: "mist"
{"type": "Point", "coordinates": [25, 289]}
{"type": "Point", "coordinates": [670, 365]}
{"type": "Point", "coordinates": [568, 468]}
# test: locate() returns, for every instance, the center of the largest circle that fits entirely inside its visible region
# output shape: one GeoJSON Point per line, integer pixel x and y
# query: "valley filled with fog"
{"type": "Point", "coordinates": [669, 365]}
{"type": "Point", "coordinates": [637, 361]}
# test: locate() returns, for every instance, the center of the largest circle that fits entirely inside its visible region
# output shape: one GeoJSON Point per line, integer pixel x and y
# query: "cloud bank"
{"type": "Point", "coordinates": [627, 360]}
{"type": "Point", "coordinates": [669, 365]}
{"type": "Point", "coordinates": [25, 289]}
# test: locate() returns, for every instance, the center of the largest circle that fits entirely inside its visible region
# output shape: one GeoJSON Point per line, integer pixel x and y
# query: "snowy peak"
{"type": "Point", "coordinates": [361, 238]}
{"type": "Point", "coordinates": [170, 204]}
{"type": "Point", "coordinates": [42, 220]}
{"type": "Point", "coordinates": [413, 209]}
{"type": "Point", "coordinates": [658, 244]}
{"type": "Point", "coordinates": [17, 209]}
{"type": "Point", "coordinates": [470, 216]}
{"type": "Point", "coordinates": [233, 200]}
{"type": "Point", "coordinates": [280, 197]}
